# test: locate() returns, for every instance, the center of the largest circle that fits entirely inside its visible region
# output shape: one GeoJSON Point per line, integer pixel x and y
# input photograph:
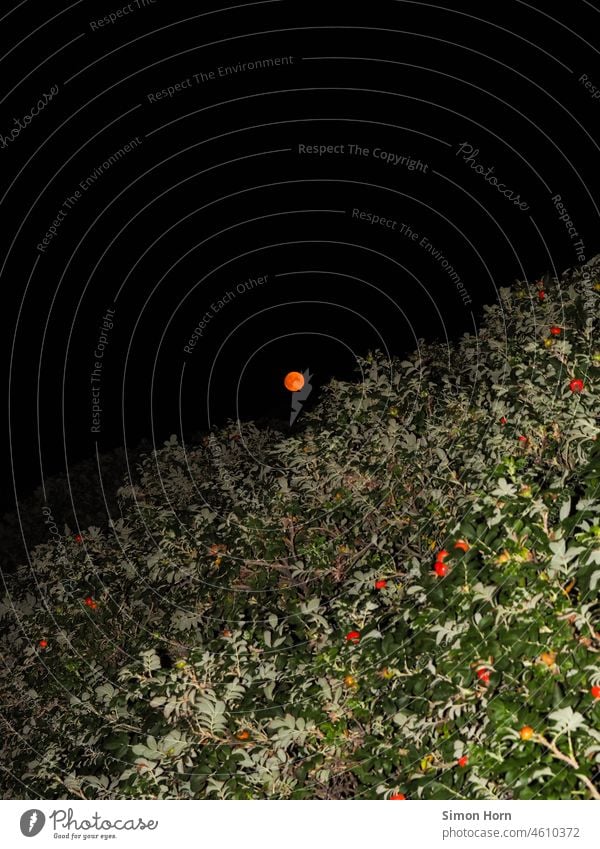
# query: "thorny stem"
{"type": "Point", "coordinates": [291, 542]}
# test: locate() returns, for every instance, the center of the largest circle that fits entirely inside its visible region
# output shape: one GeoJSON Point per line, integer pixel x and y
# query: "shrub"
{"type": "Point", "coordinates": [81, 498]}
{"type": "Point", "coordinates": [268, 621]}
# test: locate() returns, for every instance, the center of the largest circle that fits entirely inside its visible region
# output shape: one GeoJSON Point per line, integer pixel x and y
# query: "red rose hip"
{"type": "Point", "coordinates": [576, 385]}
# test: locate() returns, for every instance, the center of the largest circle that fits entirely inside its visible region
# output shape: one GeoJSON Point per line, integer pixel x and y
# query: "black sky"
{"type": "Point", "coordinates": [219, 219]}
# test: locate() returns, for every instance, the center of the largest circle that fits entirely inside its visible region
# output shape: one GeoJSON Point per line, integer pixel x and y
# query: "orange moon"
{"type": "Point", "coordinates": [294, 381]}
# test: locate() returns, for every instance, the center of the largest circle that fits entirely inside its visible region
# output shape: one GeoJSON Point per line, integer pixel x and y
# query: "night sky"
{"type": "Point", "coordinates": [196, 204]}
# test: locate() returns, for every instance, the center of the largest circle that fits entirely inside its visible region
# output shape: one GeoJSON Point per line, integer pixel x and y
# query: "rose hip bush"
{"type": "Point", "coordinates": [398, 600]}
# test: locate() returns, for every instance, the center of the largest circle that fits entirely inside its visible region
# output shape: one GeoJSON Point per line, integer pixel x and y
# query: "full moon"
{"type": "Point", "coordinates": [294, 381]}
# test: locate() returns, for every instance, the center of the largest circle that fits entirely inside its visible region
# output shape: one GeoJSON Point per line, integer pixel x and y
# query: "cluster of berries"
{"type": "Point", "coordinates": [440, 568]}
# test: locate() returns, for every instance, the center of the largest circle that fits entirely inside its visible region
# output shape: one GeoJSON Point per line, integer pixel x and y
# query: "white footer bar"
{"type": "Point", "coordinates": [306, 824]}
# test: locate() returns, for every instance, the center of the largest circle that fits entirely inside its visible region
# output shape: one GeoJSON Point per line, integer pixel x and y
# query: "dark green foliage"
{"type": "Point", "coordinates": [215, 663]}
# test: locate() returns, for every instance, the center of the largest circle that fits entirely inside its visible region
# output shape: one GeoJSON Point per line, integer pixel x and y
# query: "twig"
{"type": "Point", "coordinates": [571, 761]}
